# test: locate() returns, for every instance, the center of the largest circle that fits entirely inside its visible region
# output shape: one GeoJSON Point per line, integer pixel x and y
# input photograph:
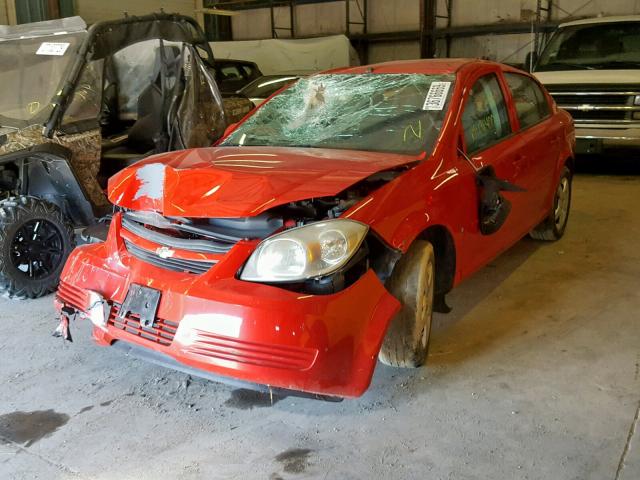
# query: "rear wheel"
{"type": "Point", "coordinates": [553, 227]}
{"type": "Point", "coordinates": [35, 241]}
{"type": "Point", "coordinates": [412, 282]}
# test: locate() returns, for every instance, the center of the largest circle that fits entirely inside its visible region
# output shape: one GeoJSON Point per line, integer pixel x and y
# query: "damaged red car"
{"type": "Point", "coordinates": [323, 230]}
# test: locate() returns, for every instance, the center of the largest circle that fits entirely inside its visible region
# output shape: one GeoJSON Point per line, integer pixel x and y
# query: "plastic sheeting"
{"type": "Point", "coordinates": [137, 68]}
{"type": "Point", "coordinates": [30, 79]}
{"type": "Point", "coordinates": [304, 55]}
{"type": "Point", "coordinates": [399, 113]}
{"type": "Point", "coordinates": [40, 29]}
{"type": "Point", "coordinates": [200, 113]}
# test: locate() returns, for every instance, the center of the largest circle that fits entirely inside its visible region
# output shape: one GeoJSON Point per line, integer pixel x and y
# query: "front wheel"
{"type": "Point", "coordinates": [412, 282]}
{"type": "Point", "coordinates": [552, 228]}
{"type": "Point", "coordinates": [35, 241]}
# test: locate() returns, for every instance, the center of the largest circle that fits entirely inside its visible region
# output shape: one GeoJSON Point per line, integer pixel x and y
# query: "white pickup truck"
{"type": "Point", "coordinates": [592, 69]}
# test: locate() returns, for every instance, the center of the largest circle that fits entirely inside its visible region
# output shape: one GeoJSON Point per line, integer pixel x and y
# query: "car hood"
{"type": "Point", "coordinates": [241, 181]}
{"type": "Point", "coordinates": [573, 77]}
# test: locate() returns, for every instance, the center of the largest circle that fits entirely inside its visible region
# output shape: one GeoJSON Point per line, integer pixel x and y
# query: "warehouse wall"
{"type": "Point", "coordinates": [3, 12]}
{"type": "Point", "coordinates": [94, 10]}
{"type": "Point", "coordinates": [403, 15]}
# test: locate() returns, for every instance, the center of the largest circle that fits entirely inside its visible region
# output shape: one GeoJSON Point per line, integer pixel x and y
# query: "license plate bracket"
{"type": "Point", "coordinates": [142, 301]}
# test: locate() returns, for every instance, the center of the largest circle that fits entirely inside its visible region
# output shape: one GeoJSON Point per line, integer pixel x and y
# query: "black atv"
{"type": "Point", "coordinates": [76, 106]}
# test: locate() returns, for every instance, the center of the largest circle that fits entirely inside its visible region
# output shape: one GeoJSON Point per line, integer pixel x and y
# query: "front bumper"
{"type": "Point", "coordinates": [213, 322]}
{"type": "Point", "coordinates": [595, 139]}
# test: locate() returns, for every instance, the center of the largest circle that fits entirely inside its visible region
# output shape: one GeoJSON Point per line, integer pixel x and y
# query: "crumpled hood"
{"type": "Point", "coordinates": [241, 181]}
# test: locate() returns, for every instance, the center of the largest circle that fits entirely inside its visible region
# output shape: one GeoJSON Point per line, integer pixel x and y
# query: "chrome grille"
{"type": "Point", "coordinates": [599, 104]}
{"type": "Point", "coordinates": [591, 99]}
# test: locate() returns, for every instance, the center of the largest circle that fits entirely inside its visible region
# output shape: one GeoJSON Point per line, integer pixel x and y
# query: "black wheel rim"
{"type": "Point", "coordinates": [37, 249]}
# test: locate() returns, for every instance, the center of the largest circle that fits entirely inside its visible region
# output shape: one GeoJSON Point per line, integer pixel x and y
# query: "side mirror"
{"type": "Point", "coordinates": [230, 128]}
{"type": "Point", "coordinates": [494, 207]}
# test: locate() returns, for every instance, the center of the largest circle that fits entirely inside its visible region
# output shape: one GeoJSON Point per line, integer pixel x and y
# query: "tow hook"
{"type": "Point", "coordinates": [66, 313]}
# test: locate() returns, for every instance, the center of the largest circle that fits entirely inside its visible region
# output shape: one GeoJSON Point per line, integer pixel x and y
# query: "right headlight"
{"type": "Point", "coordinates": [311, 251]}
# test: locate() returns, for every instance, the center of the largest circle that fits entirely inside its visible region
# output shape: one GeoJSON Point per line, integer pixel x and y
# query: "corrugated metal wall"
{"type": "Point", "coordinates": [94, 10]}
{"type": "Point", "coordinates": [403, 15]}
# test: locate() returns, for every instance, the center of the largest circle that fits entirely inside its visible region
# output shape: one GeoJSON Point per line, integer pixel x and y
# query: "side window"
{"type": "Point", "coordinates": [230, 72]}
{"type": "Point", "coordinates": [247, 70]}
{"type": "Point", "coordinates": [530, 102]}
{"type": "Point", "coordinates": [485, 119]}
{"type": "Point", "coordinates": [85, 103]}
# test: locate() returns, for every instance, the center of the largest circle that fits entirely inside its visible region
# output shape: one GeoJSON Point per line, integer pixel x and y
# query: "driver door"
{"type": "Point", "coordinates": [489, 141]}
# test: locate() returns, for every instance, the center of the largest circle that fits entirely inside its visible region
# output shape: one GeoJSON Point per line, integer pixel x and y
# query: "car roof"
{"type": "Point", "coordinates": [436, 66]}
{"type": "Point", "coordinates": [587, 21]}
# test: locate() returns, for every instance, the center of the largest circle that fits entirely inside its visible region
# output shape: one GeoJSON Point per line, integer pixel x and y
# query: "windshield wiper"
{"type": "Point", "coordinates": [564, 64]}
{"type": "Point", "coordinates": [618, 64]}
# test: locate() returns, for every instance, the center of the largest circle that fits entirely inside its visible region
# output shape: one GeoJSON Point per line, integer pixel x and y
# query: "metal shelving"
{"type": "Point", "coordinates": [431, 19]}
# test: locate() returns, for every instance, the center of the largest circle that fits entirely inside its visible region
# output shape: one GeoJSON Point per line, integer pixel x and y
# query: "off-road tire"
{"type": "Point", "coordinates": [15, 213]}
{"type": "Point", "coordinates": [552, 228]}
{"type": "Point", "coordinates": [412, 282]}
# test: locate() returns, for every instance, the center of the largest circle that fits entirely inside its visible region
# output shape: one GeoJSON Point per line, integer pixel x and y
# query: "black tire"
{"type": "Point", "coordinates": [35, 241]}
{"type": "Point", "coordinates": [412, 282]}
{"type": "Point", "coordinates": [552, 228]}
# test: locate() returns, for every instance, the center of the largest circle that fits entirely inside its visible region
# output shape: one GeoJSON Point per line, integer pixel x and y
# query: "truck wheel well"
{"type": "Point", "coordinates": [445, 256]}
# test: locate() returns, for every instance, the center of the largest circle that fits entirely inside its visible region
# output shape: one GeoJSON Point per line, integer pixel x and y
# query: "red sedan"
{"type": "Point", "coordinates": [324, 229]}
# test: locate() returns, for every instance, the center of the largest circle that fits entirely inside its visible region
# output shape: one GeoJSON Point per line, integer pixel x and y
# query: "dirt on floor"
{"type": "Point", "coordinates": [535, 374]}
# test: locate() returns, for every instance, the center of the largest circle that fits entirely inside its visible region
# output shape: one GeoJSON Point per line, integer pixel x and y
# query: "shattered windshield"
{"type": "Point", "coordinates": [400, 113]}
{"type": "Point", "coordinates": [32, 73]}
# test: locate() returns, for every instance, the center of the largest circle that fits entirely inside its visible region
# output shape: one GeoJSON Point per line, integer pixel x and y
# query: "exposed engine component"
{"type": "Point", "coordinates": [312, 210]}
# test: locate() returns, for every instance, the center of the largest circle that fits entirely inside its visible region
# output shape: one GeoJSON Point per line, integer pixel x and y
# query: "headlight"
{"type": "Point", "coordinates": [301, 253]}
{"type": "Point", "coordinates": [636, 100]}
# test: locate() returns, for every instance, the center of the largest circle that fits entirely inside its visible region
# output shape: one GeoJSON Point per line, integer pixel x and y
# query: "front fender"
{"type": "Point", "coordinates": [408, 205]}
{"type": "Point", "coordinates": [45, 172]}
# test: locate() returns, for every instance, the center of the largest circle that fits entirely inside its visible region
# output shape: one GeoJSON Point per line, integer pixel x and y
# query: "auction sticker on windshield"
{"type": "Point", "coordinates": [52, 48]}
{"type": "Point", "coordinates": [436, 96]}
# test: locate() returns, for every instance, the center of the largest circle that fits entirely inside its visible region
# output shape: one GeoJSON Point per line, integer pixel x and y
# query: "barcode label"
{"type": "Point", "coordinates": [436, 96]}
{"type": "Point", "coordinates": [53, 48]}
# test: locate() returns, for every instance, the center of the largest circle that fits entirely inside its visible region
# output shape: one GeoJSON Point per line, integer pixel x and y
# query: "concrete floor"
{"type": "Point", "coordinates": [534, 375]}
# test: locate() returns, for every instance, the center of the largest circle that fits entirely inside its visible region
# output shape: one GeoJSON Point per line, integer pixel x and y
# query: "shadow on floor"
{"type": "Point", "coordinates": [617, 163]}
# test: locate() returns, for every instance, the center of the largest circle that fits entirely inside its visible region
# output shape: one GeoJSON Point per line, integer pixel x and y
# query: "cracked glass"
{"type": "Point", "coordinates": [399, 113]}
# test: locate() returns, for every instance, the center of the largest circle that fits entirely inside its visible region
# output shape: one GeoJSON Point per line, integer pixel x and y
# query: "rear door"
{"type": "Point", "coordinates": [540, 142]}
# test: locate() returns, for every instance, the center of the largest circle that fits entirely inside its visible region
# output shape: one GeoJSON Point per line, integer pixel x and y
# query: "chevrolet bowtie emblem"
{"type": "Point", "coordinates": [585, 107]}
{"type": "Point", "coordinates": [165, 252]}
